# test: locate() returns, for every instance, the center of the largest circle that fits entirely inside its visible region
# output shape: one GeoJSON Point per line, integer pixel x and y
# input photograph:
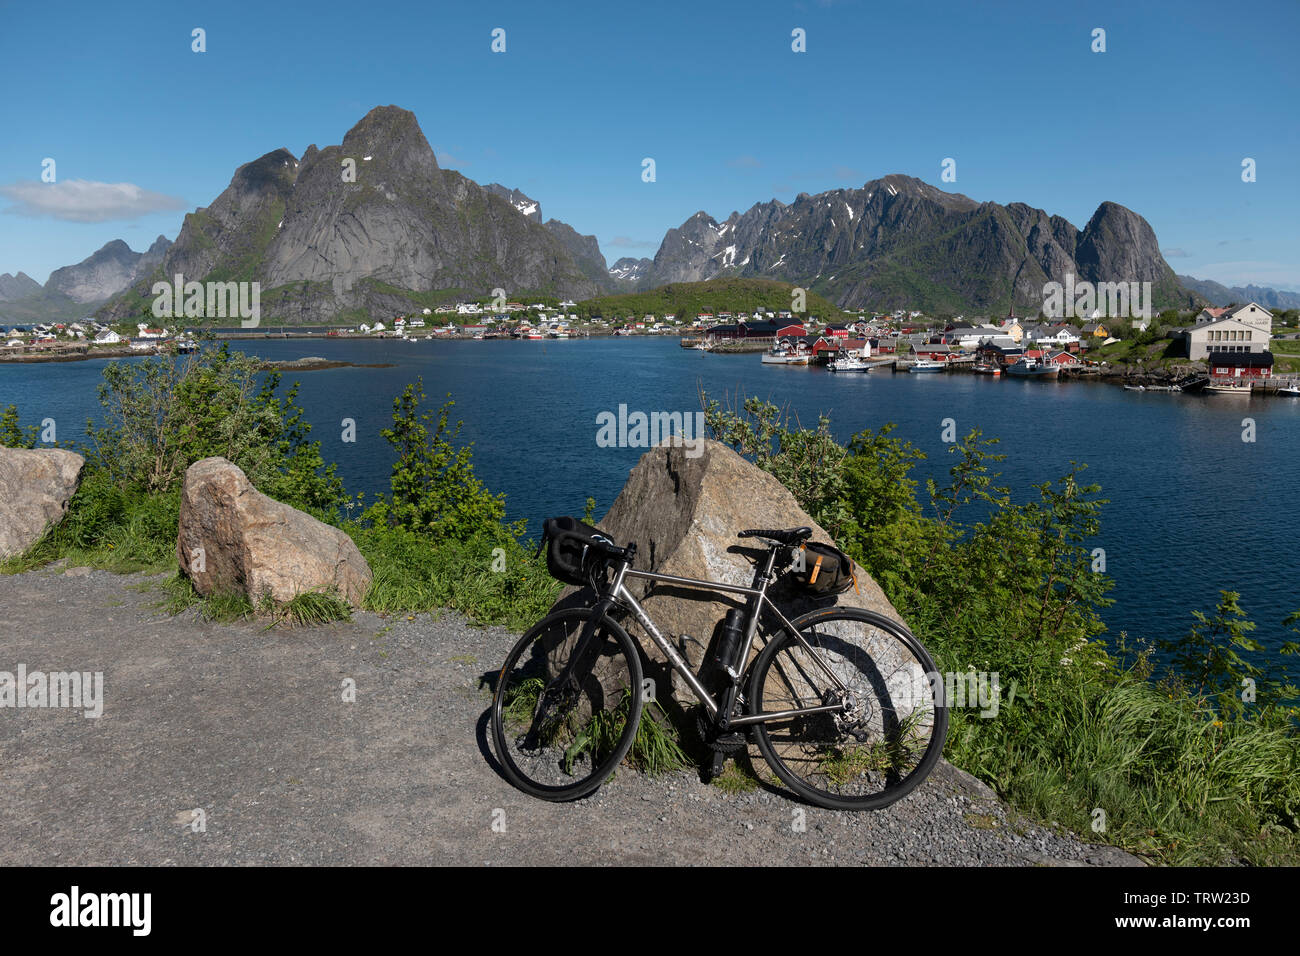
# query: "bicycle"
{"type": "Point", "coordinates": [857, 720]}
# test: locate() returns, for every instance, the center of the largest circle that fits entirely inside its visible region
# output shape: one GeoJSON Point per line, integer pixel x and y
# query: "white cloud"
{"type": "Point", "coordinates": [80, 200]}
{"type": "Point", "coordinates": [627, 242]}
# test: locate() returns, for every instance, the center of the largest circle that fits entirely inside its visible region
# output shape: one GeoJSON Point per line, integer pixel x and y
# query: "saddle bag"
{"type": "Point", "coordinates": [824, 569]}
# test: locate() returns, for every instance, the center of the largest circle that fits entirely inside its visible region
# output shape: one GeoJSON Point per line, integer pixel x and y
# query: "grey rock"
{"type": "Point", "coordinates": [684, 513]}
{"type": "Point", "coordinates": [232, 538]}
{"type": "Point", "coordinates": [36, 486]}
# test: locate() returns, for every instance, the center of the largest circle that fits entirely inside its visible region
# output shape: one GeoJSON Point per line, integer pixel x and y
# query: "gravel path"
{"type": "Point", "coordinates": [250, 726]}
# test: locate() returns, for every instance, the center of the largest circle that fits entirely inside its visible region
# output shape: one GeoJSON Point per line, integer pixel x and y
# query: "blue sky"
{"type": "Point", "coordinates": [1012, 91]}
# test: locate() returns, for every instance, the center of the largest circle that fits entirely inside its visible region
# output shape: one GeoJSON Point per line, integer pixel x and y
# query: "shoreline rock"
{"type": "Point", "coordinates": [232, 538]}
{"type": "Point", "coordinates": [36, 487]}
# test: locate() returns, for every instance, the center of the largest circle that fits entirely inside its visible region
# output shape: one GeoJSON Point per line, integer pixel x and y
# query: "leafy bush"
{"type": "Point", "coordinates": [166, 413]}
{"type": "Point", "coordinates": [434, 488]}
{"type": "Point", "coordinates": [12, 434]}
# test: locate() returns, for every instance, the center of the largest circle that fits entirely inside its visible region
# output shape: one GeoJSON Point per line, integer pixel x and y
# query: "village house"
{"type": "Point", "coordinates": [1240, 366]}
{"type": "Point", "coordinates": [1245, 329]}
{"type": "Point", "coordinates": [1012, 327]}
{"type": "Point", "coordinates": [1062, 358]}
{"type": "Point", "coordinates": [933, 352]}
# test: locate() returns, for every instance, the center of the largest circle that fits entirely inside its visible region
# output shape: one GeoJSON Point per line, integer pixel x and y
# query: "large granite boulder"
{"type": "Point", "coordinates": [684, 512]}
{"type": "Point", "coordinates": [36, 486]}
{"type": "Point", "coordinates": [232, 538]}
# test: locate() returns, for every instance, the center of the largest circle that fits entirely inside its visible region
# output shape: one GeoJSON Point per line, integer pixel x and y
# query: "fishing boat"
{"type": "Point", "coordinates": [1289, 390]}
{"type": "Point", "coordinates": [783, 356]}
{"type": "Point", "coordinates": [986, 368]}
{"type": "Point", "coordinates": [1032, 368]}
{"type": "Point", "coordinates": [1229, 388]}
{"type": "Point", "coordinates": [1135, 388]}
{"type": "Point", "coordinates": [927, 365]}
{"type": "Point", "coordinates": [849, 363]}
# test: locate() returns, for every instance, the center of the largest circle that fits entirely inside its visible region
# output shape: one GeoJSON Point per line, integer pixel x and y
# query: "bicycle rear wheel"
{"type": "Point", "coordinates": [564, 716]}
{"type": "Point", "coordinates": [879, 751]}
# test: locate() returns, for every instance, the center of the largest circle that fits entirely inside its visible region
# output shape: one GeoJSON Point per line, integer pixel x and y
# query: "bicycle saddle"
{"type": "Point", "coordinates": [789, 536]}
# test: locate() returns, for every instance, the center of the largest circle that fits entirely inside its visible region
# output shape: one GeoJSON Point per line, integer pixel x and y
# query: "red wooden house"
{"type": "Point", "coordinates": [1252, 366]}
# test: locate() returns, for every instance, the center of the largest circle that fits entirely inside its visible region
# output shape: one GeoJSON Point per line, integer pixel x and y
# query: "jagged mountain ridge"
{"type": "Point", "coordinates": [107, 271]}
{"type": "Point", "coordinates": [526, 205]}
{"type": "Point", "coordinates": [18, 286]}
{"type": "Point", "coordinates": [898, 242]}
{"type": "Point", "coordinates": [1218, 294]}
{"type": "Point", "coordinates": [631, 270]}
{"type": "Point", "coordinates": [322, 246]}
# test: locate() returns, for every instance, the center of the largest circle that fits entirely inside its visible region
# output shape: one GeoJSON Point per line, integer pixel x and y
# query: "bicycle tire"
{"type": "Point", "coordinates": [563, 746]}
{"type": "Point", "coordinates": [824, 758]}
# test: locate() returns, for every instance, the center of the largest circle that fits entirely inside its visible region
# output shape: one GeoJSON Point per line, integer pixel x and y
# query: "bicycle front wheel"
{"type": "Point", "coordinates": [564, 715]}
{"type": "Point", "coordinates": [888, 739]}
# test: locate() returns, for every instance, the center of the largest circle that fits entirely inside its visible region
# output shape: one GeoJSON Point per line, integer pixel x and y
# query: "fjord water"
{"type": "Point", "coordinates": [1192, 507]}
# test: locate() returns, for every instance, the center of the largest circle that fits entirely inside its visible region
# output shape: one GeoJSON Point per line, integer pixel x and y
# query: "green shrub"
{"type": "Point", "coordinates": [434, 490]}
{"type": "Point", "coordinates": [12, 433]}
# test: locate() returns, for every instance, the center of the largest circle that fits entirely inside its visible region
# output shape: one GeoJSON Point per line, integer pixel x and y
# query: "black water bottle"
{"type": "Point", "coordinates": [729, 644]}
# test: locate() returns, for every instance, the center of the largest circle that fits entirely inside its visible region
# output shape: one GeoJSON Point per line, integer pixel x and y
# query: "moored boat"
{"type": "Point", "coordinates": [927, 365]}
{"type": "Point", "coordinates": [849, 363]}
{"type": "Point", "coordinates": [1229, 388]}
{"type": "Point", "coordinates": [786, 357]}
{"type": "Point", "coordinates": [1032, 368]}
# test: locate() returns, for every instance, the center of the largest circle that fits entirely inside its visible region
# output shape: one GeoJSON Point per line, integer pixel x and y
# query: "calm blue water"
{"type": "Point", "coordinates": [1192, 508]}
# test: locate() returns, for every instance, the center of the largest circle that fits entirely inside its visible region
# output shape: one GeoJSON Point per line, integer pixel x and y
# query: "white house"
{"type": "Point", "coordinates": [108, 337]}
{"type": "Point", "coordinates": [1247, 328]}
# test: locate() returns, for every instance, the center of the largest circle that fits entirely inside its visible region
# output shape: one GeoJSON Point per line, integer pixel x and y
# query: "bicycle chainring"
{"type": "Point", "coordinates": [719, 743]}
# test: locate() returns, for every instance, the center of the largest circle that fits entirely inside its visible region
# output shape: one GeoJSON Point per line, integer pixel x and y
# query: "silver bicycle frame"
{"type": "Point", "coordinates": [759, 600]}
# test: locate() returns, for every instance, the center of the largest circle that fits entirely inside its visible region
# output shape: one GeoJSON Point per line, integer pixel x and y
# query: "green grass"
{"type": "Point", "coordinates": [109, 529]}
{"type": "Point", "coordinates": [311, 608]}
{"type": "Point", "coordinates": [1177, 786]}
{"type": "Point", "coordinates": [179, 596]}
{"type": "Point", "coordinates": [413, 573]}
{"type": "Point", "coordinates": [735, 779]}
